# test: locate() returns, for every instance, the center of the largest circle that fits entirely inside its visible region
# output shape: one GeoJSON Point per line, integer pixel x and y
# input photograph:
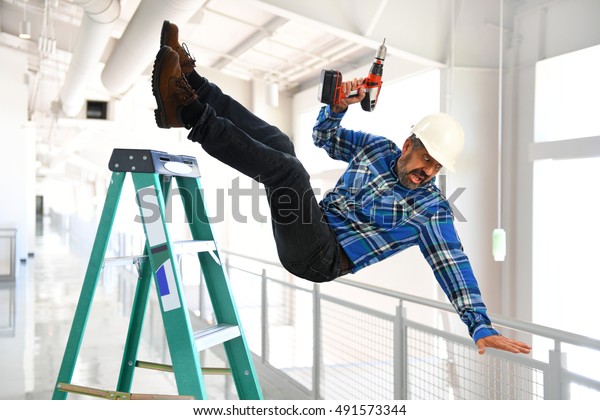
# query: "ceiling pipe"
{"type": "Point", "coordinates": [93, 35]}
{"type": "Point", "coordinates": [140, 42]}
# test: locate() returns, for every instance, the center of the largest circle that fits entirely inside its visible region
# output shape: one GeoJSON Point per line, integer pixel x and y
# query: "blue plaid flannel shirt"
{"type": "Point", "coordinates": [375, 217]}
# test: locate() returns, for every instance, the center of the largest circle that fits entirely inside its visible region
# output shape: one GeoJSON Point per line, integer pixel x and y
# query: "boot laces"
{"type": "Point", "coordinates": [190, 59]}
{"type": "Point", "coordinates": [183, 90]}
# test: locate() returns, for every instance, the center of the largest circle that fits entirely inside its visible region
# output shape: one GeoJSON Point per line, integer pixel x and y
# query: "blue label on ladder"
{"type": "Point", "coordinates": [167, 288]}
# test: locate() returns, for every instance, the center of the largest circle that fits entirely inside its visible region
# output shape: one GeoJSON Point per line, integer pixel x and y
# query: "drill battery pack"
{"type": "Point", "coordinates": [329, 87]}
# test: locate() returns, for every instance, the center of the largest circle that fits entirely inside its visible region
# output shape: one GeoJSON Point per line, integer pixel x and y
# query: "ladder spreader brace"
{"type": "Point", "coordinates": [152, 172]}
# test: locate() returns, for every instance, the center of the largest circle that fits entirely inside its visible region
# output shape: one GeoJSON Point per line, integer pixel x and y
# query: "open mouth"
{"type": "Point", "coordinates": [416, 178]}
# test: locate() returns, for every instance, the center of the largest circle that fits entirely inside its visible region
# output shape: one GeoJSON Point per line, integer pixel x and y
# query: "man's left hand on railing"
{"type": "Point", "coordinates": [502, 343]}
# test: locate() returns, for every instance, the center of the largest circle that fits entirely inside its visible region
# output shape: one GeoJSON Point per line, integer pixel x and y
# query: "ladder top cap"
{"type": "Point", "coordinates": [153, 161]}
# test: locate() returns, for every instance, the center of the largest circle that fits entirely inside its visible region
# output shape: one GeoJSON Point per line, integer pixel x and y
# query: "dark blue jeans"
{"type": "Point", "coordinates": [306, 244]}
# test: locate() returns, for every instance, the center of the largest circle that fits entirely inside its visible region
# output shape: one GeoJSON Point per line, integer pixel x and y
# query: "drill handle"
{"type": "Point", "coordinates": [352, 94]}
{"type": "Point", "coordinates": [372, 90]}
{"type": "Point", "coordinates": [366, 104]}
{"type": "Point", "coordinates": [371, 94]}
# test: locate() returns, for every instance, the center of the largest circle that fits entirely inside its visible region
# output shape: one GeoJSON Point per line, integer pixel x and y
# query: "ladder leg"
{"type": "Point", "coordinates": [237, 351]}
{"type": "Point", "coordinates": [138, 313]}
{"type": "Point", "coordinates": [136, 322]}
{"type": "Point", "coordinates": [182, 346]}
{"type": "Point", "coordinates": [89, 284]}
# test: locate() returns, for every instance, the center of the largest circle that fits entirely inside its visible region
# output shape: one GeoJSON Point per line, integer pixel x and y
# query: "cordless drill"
{"type": "Point", "coordinates": [330, 85]}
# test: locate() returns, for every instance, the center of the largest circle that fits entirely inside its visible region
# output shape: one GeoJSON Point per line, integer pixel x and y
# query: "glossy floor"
{"type": "Point", "coordinates": [36, 312]}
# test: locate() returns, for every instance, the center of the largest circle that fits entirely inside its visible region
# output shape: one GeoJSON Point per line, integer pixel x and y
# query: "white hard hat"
{"type": "Point", "coordinates": [442, 136]}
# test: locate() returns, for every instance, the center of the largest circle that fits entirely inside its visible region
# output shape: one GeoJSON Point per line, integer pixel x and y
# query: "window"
{"type": "Point", "coordinates": [567, 96]}
{"type": "Point", "coordinates": [565, 225]}
{"type": "Point", "coordinates": [565, 243]}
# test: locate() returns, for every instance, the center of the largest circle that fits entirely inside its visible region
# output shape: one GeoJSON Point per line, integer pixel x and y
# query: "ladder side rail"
{"type": "Point", "coordinates": [217, 284]}
{"type": "Point", "coordinates": [136, 323]}
{"type": "Point", "coordinates": [197, 218]}
{"type": "Point", "coordinates": [90, 282]}
{"type": "Point", "coordinates": [182, 347]}
{"type": "Point", "coordinates": [138, 312]}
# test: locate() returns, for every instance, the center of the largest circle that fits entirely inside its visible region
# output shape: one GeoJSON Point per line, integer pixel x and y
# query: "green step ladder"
{"type": "Point", "coordinates": [152, 172]}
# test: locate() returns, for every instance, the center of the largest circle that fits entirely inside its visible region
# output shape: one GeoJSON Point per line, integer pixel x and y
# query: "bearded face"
{"type": "Point", "coordinates": [415, 167]}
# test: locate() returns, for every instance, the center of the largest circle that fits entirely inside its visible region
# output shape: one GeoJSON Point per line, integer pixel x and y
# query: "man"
{"type": "Point", "coordinates": [385, 202]}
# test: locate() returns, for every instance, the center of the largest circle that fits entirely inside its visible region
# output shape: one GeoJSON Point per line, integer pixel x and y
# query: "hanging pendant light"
{"type": "Point", "coordinates": [25, 29]}
{"type": "Point", "coordinates": [273, 94]}
{"type": "Point", "coordinates": [499, 235]}
{"type": "Point", "coordinates": [25, 25]}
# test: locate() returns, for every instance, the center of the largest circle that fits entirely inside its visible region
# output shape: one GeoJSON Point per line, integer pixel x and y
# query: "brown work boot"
{"type": "Point", "coordinates": [170, 88]}
{"type": "Point", "coordinates": [169, 36]}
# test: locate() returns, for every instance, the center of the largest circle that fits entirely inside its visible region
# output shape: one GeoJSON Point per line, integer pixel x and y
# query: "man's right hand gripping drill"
{"type": "Point", "coordinates": [348, 87]}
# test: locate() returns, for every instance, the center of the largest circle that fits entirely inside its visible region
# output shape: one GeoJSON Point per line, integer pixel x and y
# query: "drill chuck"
{"type": "Point", "coordinates": [381, 51]}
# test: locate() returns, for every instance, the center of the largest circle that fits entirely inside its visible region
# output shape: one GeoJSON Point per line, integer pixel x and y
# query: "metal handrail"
{"type": "Point", "coordinates": [528, 327]}
{"type": "Point", "coordinates": [524, 326]}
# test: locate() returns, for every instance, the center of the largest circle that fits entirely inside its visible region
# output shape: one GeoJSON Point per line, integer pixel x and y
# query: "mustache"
{"type": "Point", "coordinates": [419, 172]}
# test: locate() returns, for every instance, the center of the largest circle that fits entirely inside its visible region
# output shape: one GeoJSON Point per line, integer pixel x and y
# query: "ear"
{"type": "Point", "coordinates": [406, 146]}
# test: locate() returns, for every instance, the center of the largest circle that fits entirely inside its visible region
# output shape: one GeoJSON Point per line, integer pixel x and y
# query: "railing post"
{"type": "Point", "coordinates": [264, 310]}
{"type": "Point", "coordinates": [554, 389]}
{"type": "Point", "coordinates": [317, 345]}
{"type": "Point", "coordinates": [9, 235]}
{"type": "Point", "coordinates": [400, 354]}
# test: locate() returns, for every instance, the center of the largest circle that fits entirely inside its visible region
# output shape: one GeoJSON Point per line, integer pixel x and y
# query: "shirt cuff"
{"type": "Point", "coordinates": [484, 331]}
{"type": "Point", "coordinates": [334, 115]}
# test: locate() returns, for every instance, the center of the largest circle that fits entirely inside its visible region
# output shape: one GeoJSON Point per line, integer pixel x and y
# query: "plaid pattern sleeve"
{"type": "Point", "coordinates": [338, 142]}
{"type": "Point", "coordinates": [443, 251]}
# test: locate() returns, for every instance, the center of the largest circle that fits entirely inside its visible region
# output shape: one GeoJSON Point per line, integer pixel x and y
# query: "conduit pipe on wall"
{"type": "Point", "coordinates": [140, 42]}
{"type": "Point", "coordinates": [93, 35]}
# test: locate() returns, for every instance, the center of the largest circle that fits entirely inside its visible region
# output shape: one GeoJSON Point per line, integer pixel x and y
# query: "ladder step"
{"type": "Point", "coordinates": [213, 336]}
{"type": "Point", "coordinates": [193, 247]}
{"type": "Point", "coordinates": [169, 368]}
{"type": "Point", "coordinates": [118, 261]}
{"type": "Point", "coordinates": [179, 247]}
{"type": "Point", "coordinates": [116, 395]}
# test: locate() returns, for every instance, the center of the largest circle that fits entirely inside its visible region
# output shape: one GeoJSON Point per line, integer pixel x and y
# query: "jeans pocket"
{"type": "Point", "coordinates": [309, 272]}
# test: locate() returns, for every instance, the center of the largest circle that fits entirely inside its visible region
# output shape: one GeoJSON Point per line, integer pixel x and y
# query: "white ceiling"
{"type": "Point", "coordinates": [242, 38]}
{"type": "Point", "coordinates": [285, 41]}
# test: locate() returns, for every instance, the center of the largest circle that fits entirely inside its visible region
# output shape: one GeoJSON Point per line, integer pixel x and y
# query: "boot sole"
{"type": "Point", "coordinates": [159, 114]}
{"type": "Point", "coordinates": [164, 36]}
{"type": "Point", "coordinates": [164, 33]}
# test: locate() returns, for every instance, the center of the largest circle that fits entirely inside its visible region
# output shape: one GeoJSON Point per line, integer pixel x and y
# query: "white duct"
{"type": "Point", "coordinates": [93, 35]}
{"type": "Point", "coordinates": [141, 40]}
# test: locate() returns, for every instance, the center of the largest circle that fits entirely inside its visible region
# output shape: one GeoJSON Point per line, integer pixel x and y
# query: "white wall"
{"type": "Point", "coordinates": [474, 104]}
{"type": "Point", "coordinates": [18, 153]}
{"type": "Point", "coordinates": [18, 206]}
